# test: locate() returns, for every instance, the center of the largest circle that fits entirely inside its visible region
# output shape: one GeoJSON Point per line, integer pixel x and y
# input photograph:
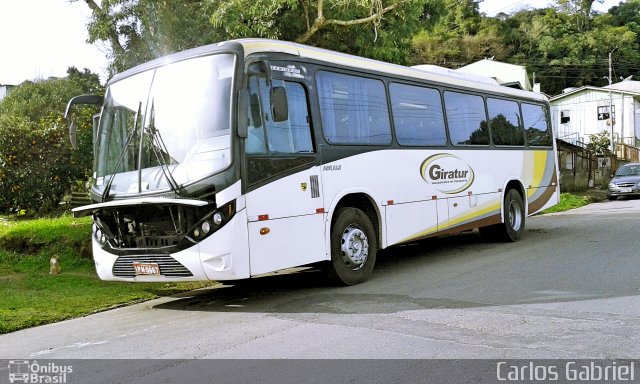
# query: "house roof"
{"type": "Point", "coordinates": [504, 73]}
{"type": "Point", "coordinates": [595, 89]}
{"type": "Point", "coordinates": [626, 85]}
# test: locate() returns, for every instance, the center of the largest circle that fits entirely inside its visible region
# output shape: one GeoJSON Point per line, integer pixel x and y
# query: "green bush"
{"type": "Point", "coordinates": [38, 166]}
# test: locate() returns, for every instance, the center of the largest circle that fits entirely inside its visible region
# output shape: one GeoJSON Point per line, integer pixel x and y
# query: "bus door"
{"type": "Point", "coordinates": [284, 199]}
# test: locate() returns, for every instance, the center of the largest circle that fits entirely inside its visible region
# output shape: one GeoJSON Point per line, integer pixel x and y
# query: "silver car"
{"type": "Point", "coordinates": [625, 182]}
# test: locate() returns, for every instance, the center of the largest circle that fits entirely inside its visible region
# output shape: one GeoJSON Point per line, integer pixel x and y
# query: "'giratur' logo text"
{"type": "Point", "coordinates": [447, 173]}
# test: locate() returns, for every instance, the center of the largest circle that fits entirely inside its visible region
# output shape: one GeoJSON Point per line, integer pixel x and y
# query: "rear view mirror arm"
{"type": "Point", "coordinates": [84, 100]}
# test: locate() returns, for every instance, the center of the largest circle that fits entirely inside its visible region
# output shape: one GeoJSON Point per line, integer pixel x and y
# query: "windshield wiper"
{"type": "Point", "coordinates": [107, 188]}
{"type": "Point", "coordinates": [159, 149]}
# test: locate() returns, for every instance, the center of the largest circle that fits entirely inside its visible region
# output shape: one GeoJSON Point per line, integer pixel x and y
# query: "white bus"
{"type": "Point", "coordinates": [250, 156]}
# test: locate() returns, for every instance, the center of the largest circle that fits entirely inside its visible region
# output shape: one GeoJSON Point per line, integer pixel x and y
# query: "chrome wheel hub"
{"type": "Point", "coordinates": [355, 247]}
{"type": "Point", "coordinates": [515, 216]}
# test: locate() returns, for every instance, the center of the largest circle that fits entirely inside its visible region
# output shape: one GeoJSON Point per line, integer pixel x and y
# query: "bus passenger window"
{"type": "Point", "coordinates": [535, 125]}
{"type": "Point", "coordinates": [466, 118]}
{"type": "Point", "coordinates": [353, 109]}
{"type": "Point", "coordinates": [417, 115]}
{"type": "Point", "coordinates": [504, 118]}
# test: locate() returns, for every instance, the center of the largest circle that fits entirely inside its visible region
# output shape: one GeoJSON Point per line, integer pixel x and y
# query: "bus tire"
{"type": "Point", "coordinates": [514, 218]}
{"type": "Point", "coordinates": [354, 247]}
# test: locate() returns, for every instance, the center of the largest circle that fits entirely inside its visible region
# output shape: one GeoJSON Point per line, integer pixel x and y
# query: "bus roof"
{"type": "Point", "coordinates": [251, 46]}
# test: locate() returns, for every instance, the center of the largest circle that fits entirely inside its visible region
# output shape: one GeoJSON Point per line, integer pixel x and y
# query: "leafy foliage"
{"type": "Point", "coordinates": [600, 144]}
{"type": "Point", "coordinates": [565, 45]}
{"type": "Point", "coordinates": [138, 31]}
{"type": "Point", "coordinates": [37, 164]}
{"type": "Point", "coordinates": [141, 30]}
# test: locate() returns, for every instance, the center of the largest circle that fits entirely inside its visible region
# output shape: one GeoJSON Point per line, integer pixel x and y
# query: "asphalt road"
{"type": "Point", "coordinates": [570, 289]}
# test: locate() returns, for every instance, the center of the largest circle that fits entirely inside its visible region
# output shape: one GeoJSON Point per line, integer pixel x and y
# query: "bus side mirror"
{"type": "Point", "coordinates": [279, 104]}
{"type": "Point", "coordinates": [96, 125]}
{"type": "Point", "coordinates": [73, 128]}
{"type": "Point", "coordinates": [73, 135]}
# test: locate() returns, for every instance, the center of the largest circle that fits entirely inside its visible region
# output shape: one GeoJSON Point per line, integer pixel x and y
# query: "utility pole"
{"type": "Point", "coordinates": [609, 78]}
{"type": "Point", "coordinates": [611, 121]}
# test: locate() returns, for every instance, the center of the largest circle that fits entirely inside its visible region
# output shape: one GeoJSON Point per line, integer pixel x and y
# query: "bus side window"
{"type": "Point", "coordinates": [353, 109]}
{"type": "Point", "coordinates": [299, 119]}
{"type": "Point", "coordinates": [466, 117]}
{"type": "Point", "coordinates": [504, 117]}
{"type": "Point", "coordinates": [417, 115]}
{"type": "Point", "coordinates": [535, 125]}
{"type": "Point", "coordinates": [294, 134]}
{"type": "Point", "coordinates": [255, 143]}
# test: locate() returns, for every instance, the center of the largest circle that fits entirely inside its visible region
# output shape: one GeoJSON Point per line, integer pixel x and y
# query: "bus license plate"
{"type": "Point", "coordinates": [146, 268]}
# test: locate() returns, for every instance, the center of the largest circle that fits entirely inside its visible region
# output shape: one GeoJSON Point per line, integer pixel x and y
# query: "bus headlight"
{"type": "Point", "coordinates": [206, 226]}
{"type": "Point", "coordinates": [217, 218]}
{"type": "Point", "coordinates": [100, 236]}
{"type": "Point", "coordinates": [213, 221]}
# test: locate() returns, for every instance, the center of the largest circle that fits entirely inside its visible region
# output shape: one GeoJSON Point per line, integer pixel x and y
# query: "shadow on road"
{"type": "Point", "coordinates": [458, 271]}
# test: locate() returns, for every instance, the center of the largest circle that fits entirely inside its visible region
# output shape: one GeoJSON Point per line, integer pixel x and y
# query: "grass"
{"type": "Point", "coordinates": [568, 201]}
{"type": "Point", "coordinates": [30, 296]}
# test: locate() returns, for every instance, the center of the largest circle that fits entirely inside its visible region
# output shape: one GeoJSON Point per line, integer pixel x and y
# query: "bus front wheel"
{"type": "Point", "coordinates": [353, 247]}
{"type": "Point", "coordinates": [514, 217]}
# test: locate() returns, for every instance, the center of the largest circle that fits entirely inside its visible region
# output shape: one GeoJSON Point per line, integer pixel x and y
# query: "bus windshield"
{"type": "Point", "coordinates": [165, 127]}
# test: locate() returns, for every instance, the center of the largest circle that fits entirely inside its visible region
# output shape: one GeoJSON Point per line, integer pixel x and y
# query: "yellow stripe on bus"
{"type": "Point", "coordinates": [452, 223]}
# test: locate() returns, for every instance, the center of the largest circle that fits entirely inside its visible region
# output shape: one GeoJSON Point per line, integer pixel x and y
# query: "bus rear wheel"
{"type": "Point", "coordinates": [514, 218]}
{"type": "Point", "coordinates": [353, 247]}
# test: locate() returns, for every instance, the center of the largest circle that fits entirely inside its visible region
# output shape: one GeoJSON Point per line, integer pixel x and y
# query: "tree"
{"type": "Point", "coordinates": [138, 31]}
{"type": "Point", "coordinates": [141, 30]}
{"type": "Point", "coordinates": [458, 35]}
{"type": "Point", "coordinates": [627, 14]}
{"type": "Point", "coordinates": [600, 144]}
{"type": "Point", "coordinates": [37, 164]}
{"type": "Point", "coordinates": [379, 29]}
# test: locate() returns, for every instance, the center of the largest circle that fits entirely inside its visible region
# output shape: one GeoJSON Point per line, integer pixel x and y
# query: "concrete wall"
{"type": "Point", "coordinates": [577, 168]}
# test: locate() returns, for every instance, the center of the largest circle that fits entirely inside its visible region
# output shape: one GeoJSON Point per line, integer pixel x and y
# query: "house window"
{"type": "Point", "coordinates": [565, 117]}
{"type": "Point", "coordinates": [569, 161]}
{"type": "Point", "coordinates": [604, 113]}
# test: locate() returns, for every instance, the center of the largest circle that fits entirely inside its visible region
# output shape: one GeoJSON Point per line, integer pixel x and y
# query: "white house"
{"type": "Point", "coordinates": [580, 112]}
{"type": "Point", "coordinates": [4, 90]}
{"type": "Point", "coordinates": [506, 74]}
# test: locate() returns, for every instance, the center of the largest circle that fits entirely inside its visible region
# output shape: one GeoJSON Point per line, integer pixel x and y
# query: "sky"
{"type": "Point", "coordinates": [492, 7]}
{"type": "Point", "coordinates": [42, 38]}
